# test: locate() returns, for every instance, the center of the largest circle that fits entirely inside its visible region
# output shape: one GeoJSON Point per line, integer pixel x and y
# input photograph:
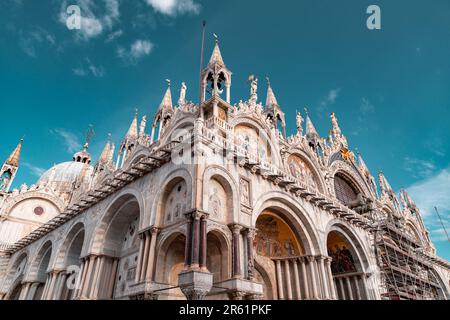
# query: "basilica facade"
{"type": "Point", "coordinates": [215, 201]}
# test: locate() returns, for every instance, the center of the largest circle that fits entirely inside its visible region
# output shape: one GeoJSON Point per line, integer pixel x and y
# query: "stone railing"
{"type": "Point", "coordinates": [219, 122]}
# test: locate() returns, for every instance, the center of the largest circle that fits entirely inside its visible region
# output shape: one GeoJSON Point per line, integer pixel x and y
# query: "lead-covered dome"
{"type": "Point", "coordinates": [63, 176]}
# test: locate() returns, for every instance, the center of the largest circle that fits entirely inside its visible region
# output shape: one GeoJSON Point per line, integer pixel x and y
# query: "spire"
{"type": "Point", "coordinates": [216, 57]}
{"type": "Point", "coordinates": [104, 157]}
{"type": "Point", "coordinates": [310, 129]}
{"type": "Point", "coordinates": [133, 130]}
{"type": "Point", "coordinates": [142, 126]}
{"type": "Point", "coordinates": [271, 100]}
{"type": "Point", "coordinates": [362, 165]}
{"type": "Point", "coordinates": [13, 159]}
{"type": "Point", "coordinates": [336, 129]}
{"type": "Point", "coordinates": [111, 153]}
{"type": "Point", "coordinates": [166, 103]}
{"type": "Point", "coordinates": [384, 184]}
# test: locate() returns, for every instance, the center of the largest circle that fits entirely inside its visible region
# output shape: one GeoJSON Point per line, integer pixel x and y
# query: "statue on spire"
{"type": "Point", "coordinates": [142, 126]}
{"type": "Point", "coordinates": [299, 124]}
{"type": "Point", "coordinates": [253, 88]}
{"type": "Point", "coordinates": [183, 90]}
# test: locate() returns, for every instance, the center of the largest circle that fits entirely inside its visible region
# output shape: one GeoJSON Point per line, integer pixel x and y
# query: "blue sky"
{"type": "Point", "coordinates": [390, 88]}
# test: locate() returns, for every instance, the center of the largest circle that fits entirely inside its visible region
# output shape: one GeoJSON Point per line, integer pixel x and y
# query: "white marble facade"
{"type": "Point", "coordinates": [213, 202]}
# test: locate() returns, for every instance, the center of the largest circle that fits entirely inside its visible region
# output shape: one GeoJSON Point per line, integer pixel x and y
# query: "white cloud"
{"type": "Point", "coordinates": [94, 20]}
{"type": "Point", "coordinates": [329, 99]}
{"type": "Point", "coordinates": [31, 40]}
{"type": "Point", "coordinates": [434, 192]}
{"type": "Point", "coordinates": [174, 7]}
{"type": "Point", "coordinates": [138, 50]}
{"type": "Point", "coordinates": [366, 106]}
{"type": "Point", "coordinates": [114, 35]}
{"type": "Point", "coordinates": [89, 68]}
{"type": "Point", "coordinates": [69, 139]}
{"type": "Point", "coordinates": [419, 168]}
{"type": "Point", "coordinates": [37, 171]}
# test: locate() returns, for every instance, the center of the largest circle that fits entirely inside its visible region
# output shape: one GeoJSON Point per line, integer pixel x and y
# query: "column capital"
{"type": "Point", "coordinates": [251, 232]}
{"type": "Point", "coordinates": [196, 215]}
{"type": "Point", "coordinates": [310, 258]}
{"type": "Point", "coordinates": [235, 228]}
{"type": "Point", "coordinates": [155, 231]}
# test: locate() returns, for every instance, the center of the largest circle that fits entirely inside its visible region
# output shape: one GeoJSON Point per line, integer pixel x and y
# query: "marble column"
{"type": "Point", "coordinates": [62, 285]}
{"type": "Point", "coordinates": [145, 257]}
{"type": "Point", "coordinates": [304, 278]}
{"type": "Point", "coordinates": [236, 230]}
{"type": "Point", "coordinates": [349, 288]}
{"type": "Point", "coordinates": [46, 285]}
{"type": "Point", "coordinates": [279, 280]}
{"type": "Point", "coordinates": [341, 289]}
{"type": "Point", "coordinates": [288, 279]}
{"type": "Point", "coordinates": [151, 256]}
{"type": "Point", "coordinates": [249, 238]}
{"type": "Point", "coordinates": [297, 280]}
{"type": "Point", "coordinates": [364, 284]}
{"type": "Point", "coordinates": [140, 257]}
{"type": "Point", "coordinates": [203, 243]}
{"type": "Point", "coordinates": [32, 292]}
{"type": "Point", "coordinates": [24, 292]}
{"type": "Point", "coordinates": [112, 279]}
{"type": "Point", "coordinates": [81, 277]}
{"type": "Point", "coordinates": [358, 291]}
{"type": "Point", "coordinates": [331, 283]}
{"type": "Point", "coordinates": [195, 262]}
{"type": "Point", "coordinates": [324, 276]}
{"type": "Point", "coordinates": [49, 295]}
{"type": "Point", "coordinates": [87, 280]}
{"type": "Point", "coordinates": [188, 243]}
{"type": "Point", "coordinates": [97, 276]}
{"type": "Point", "coordinates": [313, 277]}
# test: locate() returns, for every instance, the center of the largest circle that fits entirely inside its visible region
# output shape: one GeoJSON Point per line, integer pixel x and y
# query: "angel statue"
{"type": "Point", "coordinates": [183, 90]}
{"type": "Point", "coordinates": [253, 88]}
{"type": "Point", "coordinates": [299, 123]}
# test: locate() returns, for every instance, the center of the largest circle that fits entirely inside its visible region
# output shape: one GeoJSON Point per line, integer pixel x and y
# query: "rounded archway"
{"type": "Point", "coordinates": [170, 262]}
{"type": "Point", "coordinates": [15, 277]}
{"type": "Point", "coordinates": [69, 260]}
{"type": "Point", "coordinates": [278, 248]}
{"type": "Point", "coordinates": [218, 256]}
{"type": "Point", "coordinates": [39, 267]}
{"type": "Point", "coordinates": [120, 248]}
{"type": "Point", "coordinates": [346, 267]}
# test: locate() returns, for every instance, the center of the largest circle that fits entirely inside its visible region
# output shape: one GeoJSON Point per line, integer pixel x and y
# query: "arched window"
{"type": "Point", "coordinates": [345, 191]}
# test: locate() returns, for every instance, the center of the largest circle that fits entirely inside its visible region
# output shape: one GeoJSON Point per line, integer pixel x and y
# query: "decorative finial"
{"type": "Point", "coordinates": [109, 137]}
{"type": "Point", "coordinates": [168, 82]}
{"type": "Point", "coordinates": [216, 37]}
{"type": "Point", "coordinates": [306, 111]}
{"type": "Point", "coordinates": [136, 112]}
{"type": "Point", "coordinates": [268, 81]}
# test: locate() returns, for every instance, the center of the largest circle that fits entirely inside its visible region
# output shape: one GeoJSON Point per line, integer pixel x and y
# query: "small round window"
{"type": "Point", "coordinates": [39, 211]}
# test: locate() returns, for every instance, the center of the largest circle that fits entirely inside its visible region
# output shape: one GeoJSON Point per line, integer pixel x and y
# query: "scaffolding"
{"type": "Point", "coordinates": [407, 272]}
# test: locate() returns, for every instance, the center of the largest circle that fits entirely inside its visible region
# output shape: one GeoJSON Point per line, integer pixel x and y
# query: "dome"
{"type": "Point", "coordinates": [63, 175]}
